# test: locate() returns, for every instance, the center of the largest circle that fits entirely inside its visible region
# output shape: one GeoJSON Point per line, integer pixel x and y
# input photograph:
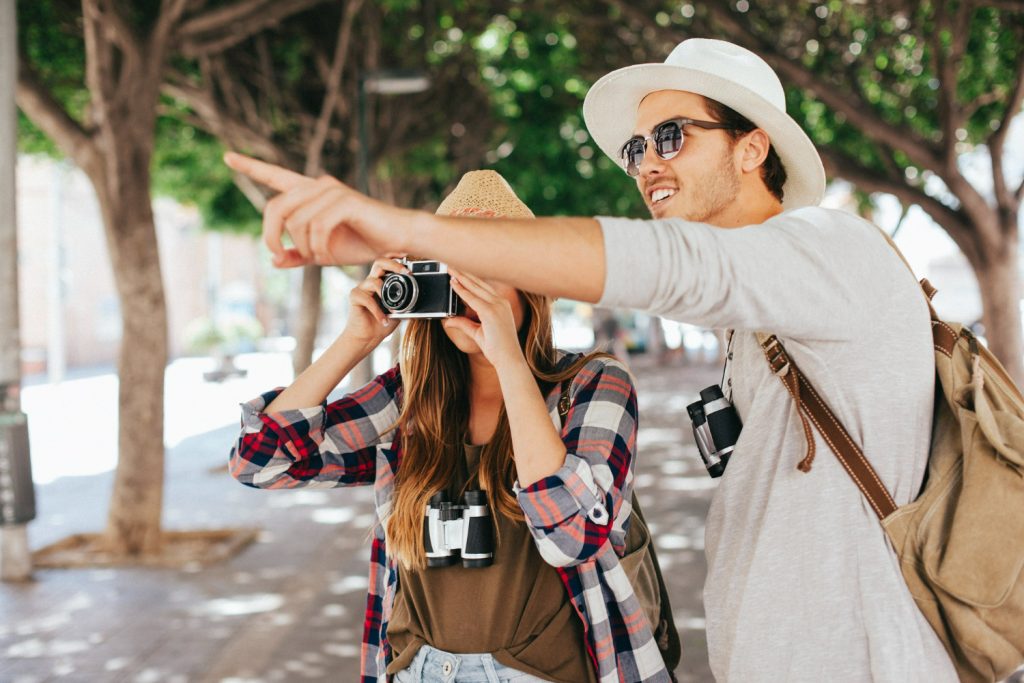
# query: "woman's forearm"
{"type": "Point", "coordinates": [536, 445]}
{"type": "Point", "coordinates": [318, 380]}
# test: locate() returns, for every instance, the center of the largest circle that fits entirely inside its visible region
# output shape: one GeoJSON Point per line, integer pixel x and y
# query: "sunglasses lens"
{"type": "Point", "coordinates": [633, 155]}
{"type": "Point", "coordinates": [668, 139]}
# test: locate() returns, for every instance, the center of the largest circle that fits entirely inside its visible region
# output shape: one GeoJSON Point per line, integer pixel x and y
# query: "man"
{"type": "Point", "coordinates": [802, 584]}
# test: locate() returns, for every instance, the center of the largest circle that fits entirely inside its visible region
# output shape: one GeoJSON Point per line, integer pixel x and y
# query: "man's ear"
{"type": "Point", "coordinates": [755, 146]}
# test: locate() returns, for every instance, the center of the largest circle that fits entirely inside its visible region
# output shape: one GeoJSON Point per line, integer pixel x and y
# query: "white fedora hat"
{"type": "Point", "coordinates": [720, 71]}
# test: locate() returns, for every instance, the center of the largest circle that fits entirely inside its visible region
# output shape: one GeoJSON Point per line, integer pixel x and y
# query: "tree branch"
{"type": "Point", "coordinates": [954, 222]}
{"type": "Point", "coordinates": [218, 19]}
{"type": "Point", "coordinates": [235, 93]}
{"type": "Point", "coordinates": [171, 12]}
{"type": "Point", "coordinates": [98, 62]}
{"type": "Point", "coordinates": [315, 148]}
{"type": "Point", "coordinates": [858, 112]}
{"type": "Point", "coordinates": [268, 84]}
{"type": "Point", "coordinates": [224, 27]}
{"type": "Point", "coordinates": [117, 30]}
{"type": "Point", "coordinates": [946, 66]}
{"type": "Point", "coordinates": [988, 98]}
{"type": "Point", "coordinates": [1007, 200]}
{"type": "Point", "coordinates": [229, 129]}
{"type": "Point", "coordinates": [39, 105]}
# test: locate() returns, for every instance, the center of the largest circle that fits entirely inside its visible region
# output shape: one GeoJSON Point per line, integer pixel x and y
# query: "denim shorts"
{"type": "Point", "coordinates": [431, 665]}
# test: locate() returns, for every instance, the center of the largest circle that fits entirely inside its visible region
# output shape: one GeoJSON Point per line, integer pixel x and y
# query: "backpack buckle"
{"type": "Point", "coordinates": [778, 359]}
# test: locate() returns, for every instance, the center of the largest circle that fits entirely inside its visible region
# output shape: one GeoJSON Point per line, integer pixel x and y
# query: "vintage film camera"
{"type": "Point", "coordinates": [716, 428]}
{"type": "Point", "coordinates": [452, 532]}
{"type": "Point", "coordinates": [426, 292]}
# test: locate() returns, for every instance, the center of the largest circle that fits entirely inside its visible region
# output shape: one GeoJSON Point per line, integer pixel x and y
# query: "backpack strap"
{"type": "Point", "coordinates": [810, 404]}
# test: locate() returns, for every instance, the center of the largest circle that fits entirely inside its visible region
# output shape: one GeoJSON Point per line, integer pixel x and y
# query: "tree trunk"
{"type": "Point", "coordinates": [999, 282]}
{"type": "Point", "coordinates": [309, 318]}
{"type": "Point", "coordinates": [134, 519]}
{"type": "Point", "coordinates": [309, 323]}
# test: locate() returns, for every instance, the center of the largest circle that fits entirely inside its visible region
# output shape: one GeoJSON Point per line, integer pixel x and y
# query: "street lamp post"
{"type": "Point", "coordinates": [382, 82]}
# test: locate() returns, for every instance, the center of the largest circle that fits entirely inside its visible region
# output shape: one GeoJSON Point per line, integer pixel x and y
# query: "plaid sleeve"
{"type": "Point", "coordinates": [570, 513]}
{"type": "Point", "coordinates": [324, 446]}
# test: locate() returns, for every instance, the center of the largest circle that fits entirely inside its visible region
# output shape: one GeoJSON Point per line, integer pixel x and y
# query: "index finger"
{"type": "Point", "coordinates": [271, 175]}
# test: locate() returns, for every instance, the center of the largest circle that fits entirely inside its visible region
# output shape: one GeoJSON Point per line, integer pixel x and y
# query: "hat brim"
{"type": "Point", "coordinates": [610, 108]}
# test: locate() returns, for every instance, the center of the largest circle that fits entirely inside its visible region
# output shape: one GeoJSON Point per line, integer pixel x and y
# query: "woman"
{"type": "Point", "coordinates": [474, 405]}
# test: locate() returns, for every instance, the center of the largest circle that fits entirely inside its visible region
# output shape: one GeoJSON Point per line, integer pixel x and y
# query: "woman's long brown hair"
{"type": "Point", "coordinates": [435, 418]}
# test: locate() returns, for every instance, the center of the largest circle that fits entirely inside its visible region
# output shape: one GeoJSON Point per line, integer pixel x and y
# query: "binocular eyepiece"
{"type": "Point", "coordinates": [452, 532]}
{"type": "Point", "coordinates": [716, 428]}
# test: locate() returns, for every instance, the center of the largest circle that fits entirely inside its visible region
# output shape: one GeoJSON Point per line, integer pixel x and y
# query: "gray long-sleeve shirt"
{"type": "Point", "coordinates": [802, 582]}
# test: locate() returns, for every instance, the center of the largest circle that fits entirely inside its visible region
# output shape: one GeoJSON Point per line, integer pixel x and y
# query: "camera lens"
{"type": "Point", "coordinates": [398, 293]}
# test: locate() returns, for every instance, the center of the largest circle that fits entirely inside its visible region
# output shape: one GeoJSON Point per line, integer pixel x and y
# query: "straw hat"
{"type": "Point", "coordinates": [484, 194]}
{"type": "Point", "coordinates": [720, 71]}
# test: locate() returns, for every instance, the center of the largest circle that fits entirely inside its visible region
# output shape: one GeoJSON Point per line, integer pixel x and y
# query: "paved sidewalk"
{"type": "Point", "coordinates": [289, 607]}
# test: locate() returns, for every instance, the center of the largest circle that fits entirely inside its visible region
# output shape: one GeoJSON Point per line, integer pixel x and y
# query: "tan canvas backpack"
{"type": "Point", "coordinates": [961, 542]}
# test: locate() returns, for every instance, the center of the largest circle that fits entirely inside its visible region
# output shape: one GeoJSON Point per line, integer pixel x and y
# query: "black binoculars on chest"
{"type": "Point", "coordinates": [452, 532]}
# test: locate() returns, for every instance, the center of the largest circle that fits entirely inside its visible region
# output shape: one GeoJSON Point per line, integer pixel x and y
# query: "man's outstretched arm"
{"type": "Point", "coordinates": [562, 257]}
{"type": "Point", "coordinates": [330, 224]}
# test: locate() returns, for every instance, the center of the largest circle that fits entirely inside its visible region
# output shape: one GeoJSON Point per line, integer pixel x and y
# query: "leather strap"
{"type": "Point", "coordinates": [812, 407]}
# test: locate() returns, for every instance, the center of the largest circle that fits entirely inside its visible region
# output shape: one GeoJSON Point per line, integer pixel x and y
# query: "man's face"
{"type": "Point", "coordinates": [703, 179]}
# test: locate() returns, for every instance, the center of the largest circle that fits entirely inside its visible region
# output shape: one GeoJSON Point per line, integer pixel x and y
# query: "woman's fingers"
{"type": "Point", "coordinates": [480, 301]}
{"type": "Point", "coordinates": [361, 297]}
{"type": "Point", "coordinates": [468, 295]}
{"type": "Point", "coordinates": [387, 265]}
{"type": "Point", "coordinates": [371, 284]}
{"type": "Point", "coordinates": [475, 284]}
{"type": "Point", "coordinates": [461, 323]}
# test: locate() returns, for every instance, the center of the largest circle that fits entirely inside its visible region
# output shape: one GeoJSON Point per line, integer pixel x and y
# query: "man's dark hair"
{"type": "Point", "coordinates": [773, 173]}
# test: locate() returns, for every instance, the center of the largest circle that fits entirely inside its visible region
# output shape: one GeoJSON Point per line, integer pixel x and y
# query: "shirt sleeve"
{"type": "Point", "coordinates": [570, 513]}
{"type": "Point", "coordinates": [324, 446]}
{"type": "Point", "coordinates": [800, 274]}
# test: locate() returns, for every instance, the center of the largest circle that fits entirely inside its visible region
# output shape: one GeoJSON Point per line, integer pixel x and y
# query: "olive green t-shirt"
{"type": "Point", "coordinates": [516, 609]}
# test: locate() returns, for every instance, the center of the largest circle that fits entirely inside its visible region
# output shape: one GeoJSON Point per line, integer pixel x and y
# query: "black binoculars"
{"type": "Point", "coordinates": [452, 532]}
{"type": "Point", "coordinates": [716, 428]}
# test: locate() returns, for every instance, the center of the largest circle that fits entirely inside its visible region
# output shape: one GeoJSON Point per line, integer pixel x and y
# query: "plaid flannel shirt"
{"type": "Point", "coordinates": [576, 516]}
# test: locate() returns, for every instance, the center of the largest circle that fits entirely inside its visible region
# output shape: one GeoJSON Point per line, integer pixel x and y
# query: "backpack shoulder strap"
{"type": "Point", "coordinates": [812, 407]}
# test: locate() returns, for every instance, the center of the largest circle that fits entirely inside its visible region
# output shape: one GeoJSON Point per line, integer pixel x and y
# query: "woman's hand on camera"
{"type": "Point", "coordinates": [367, 323]}
{"type": "Point", "coordinates": [496, 333]}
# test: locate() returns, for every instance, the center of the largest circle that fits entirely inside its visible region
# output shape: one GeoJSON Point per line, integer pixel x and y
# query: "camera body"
{"type": "Point", "coordinates": [716, 428]}
{"type": "Point", "coordinates": [425, 292]}
{"type": "Point", "coordinates": [452, 532]}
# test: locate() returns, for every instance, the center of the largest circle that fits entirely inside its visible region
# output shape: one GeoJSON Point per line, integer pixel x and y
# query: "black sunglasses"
{"type": "Point", "coordinates": [668, 140]}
